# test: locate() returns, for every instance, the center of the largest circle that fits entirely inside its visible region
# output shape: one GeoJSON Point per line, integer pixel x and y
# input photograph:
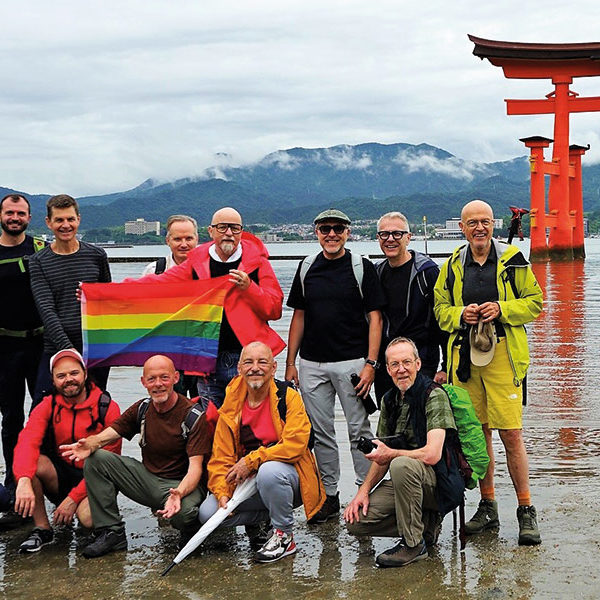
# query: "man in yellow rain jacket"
{"type": "Point", "coordinates": [263, 430]}
{"type": "Point", "coordinates": [488, 286]}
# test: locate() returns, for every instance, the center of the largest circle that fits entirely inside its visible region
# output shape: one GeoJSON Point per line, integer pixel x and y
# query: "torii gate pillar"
{"type": "Point", "coordinates": [560, 63]}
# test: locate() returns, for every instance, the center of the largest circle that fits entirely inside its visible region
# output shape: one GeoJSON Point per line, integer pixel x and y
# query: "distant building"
{"type": "Point", "coordinates": [269, 237]}
{"type": "Point", "coordinates": [140, 227]}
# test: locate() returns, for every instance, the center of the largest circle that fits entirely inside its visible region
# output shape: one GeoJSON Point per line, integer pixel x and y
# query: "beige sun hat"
{"type": "Point", "coordinates": [483, 343]}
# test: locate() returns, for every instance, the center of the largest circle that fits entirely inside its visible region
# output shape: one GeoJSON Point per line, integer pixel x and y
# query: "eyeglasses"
{"type": "Point", "coordinates": [326, 229]}
{"type": "Point", "coordinates": [397, 235]}
{"type": "Point", "coordinates": [407, 363]}
{"type": "Point", "coordinates": [223, 227]}
{"type": "Point", "coordinates": [472, 223]}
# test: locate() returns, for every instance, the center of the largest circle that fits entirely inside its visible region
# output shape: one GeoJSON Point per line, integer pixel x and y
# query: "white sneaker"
{"type": "Point", "coordinates": [280, 544]}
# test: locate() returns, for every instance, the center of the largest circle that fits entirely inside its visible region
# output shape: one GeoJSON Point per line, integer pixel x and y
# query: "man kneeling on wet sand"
{"type": "Point", "coordinates": [418, 419]}
{"type": "Point", "coordinates": [167, 480]}
{"type": "Point", "coordinates": [263, 430]}
{"type": "Point", "coordinates": [76, 407]}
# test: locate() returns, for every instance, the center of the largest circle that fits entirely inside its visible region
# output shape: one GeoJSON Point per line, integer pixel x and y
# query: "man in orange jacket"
{"type": "Point", "coordinates": [265, 433]}
{"type": "Point", "coordinates": [77, 409]}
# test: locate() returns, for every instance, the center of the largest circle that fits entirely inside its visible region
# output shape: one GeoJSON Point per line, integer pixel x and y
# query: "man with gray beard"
{"type": "Point", "coordinates": [254, 299]}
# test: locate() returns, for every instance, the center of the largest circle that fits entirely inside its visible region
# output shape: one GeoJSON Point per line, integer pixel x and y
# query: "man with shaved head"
{"type": "Point", "coordinates": [254, 298]}
{"type": "Point", "coordinates": [263, 430]}
{"type": "Point", "coordinates": [484, 295]}
{"type": "Point", "coordinates": [174, 441]}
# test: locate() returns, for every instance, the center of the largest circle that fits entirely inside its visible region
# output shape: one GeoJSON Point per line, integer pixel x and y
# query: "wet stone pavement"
{"type": "Point", "coordinates": [562, 433]}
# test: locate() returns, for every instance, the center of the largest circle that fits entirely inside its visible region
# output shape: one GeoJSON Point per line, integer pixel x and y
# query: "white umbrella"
{"type": "Point", "coordinates": [242, 492]}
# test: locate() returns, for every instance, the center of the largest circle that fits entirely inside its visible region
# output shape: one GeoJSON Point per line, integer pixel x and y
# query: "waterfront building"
{"type": "Point", "coordinates": [141, 226]}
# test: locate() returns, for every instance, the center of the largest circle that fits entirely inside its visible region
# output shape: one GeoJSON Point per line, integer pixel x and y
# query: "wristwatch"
{"type": "Point", "coordinates": [373, 363]}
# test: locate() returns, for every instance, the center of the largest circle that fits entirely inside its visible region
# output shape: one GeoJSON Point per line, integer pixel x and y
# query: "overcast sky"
{"type": "Point", "coordinates": [97, 96]}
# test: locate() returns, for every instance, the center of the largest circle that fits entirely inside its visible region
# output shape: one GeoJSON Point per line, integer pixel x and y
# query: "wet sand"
{"type": "Point", "coordinates": [562, 433]}
{"type": "Point", "coordinates": [332, 564]}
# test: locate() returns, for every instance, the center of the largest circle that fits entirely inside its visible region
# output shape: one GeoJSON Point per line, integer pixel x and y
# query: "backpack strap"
{"type": "Point", "coordinates": [141, 419]}
{"type": "Point", "coordinates": [38, 244]}
{"type": "Point", "coordinates": [358, 270]}
{"type": "Point", "coordinates": [191, 419]}
{"type": "Point", "coordinates": [282, 388]}
{"type": "Point", "coordinates": [103, 404]}
{"type": "Point", "coordinates": [161, 265]}
{"type": "Point", "coordinates": [305, 265]}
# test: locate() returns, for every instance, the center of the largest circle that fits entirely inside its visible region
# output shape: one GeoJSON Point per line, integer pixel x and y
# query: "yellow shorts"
{"type": "Point", "coordinates": [498, 402]}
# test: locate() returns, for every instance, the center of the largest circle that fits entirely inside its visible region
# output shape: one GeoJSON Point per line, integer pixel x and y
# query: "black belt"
{"type": "Point", "coordinates": [21, 333]}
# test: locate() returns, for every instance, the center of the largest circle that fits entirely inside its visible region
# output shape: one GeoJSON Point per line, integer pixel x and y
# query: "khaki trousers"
{"type": "Point", "coordinates": [403, 506]}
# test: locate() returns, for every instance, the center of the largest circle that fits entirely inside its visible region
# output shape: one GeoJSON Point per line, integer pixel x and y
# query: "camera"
{"type": "Point", "coordinates": [365, 445]}
{"type": "Point", "coordinates": [367, 401]}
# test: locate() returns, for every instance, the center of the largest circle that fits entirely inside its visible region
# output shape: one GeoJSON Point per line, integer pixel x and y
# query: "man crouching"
{"type": "Point", "coordinates": [77, 407]}
{"type": "Point", "coordinates": [167, 480]}
{"type": "Point", "coordinates": [263, 430]}
{"type": "Point", "coordinates": [415, 418]}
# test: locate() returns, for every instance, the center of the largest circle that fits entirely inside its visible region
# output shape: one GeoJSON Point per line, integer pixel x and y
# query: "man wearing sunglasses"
{"type": "Point", "coordinates": [407, 278]}
{"type": "Point", "coordinates": [336, 327]}
{"type": "Point", "coordinates": [254, 299]}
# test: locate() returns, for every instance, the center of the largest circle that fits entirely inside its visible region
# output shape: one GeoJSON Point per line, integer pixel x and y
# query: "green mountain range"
{"type": "Point", "coordinates": [291, 186]}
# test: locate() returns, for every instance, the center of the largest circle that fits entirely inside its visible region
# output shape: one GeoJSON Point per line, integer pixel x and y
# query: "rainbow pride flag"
{"type": "Point", "coordinates": [124, 324]}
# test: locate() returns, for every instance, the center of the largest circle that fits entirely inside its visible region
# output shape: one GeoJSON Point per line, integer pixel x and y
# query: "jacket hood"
{"type": "Point", "coordinates": [422, 261]}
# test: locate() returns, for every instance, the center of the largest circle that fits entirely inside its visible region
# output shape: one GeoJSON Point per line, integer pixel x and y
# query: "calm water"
{"type": "Point", "coordinates": [562, 432]}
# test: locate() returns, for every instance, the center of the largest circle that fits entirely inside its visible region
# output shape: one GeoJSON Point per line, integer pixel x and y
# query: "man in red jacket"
{"type": "Point", "coordinates": [254, 299]}
{"type": "Point", "coordinates": [77, 409]}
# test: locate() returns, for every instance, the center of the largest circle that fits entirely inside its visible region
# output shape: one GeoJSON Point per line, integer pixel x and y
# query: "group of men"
{"type": "Point", "coordinates": [402, 325]}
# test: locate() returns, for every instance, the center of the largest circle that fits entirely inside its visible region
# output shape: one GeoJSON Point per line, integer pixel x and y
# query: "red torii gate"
{"type": "Point", "coordinates": [559, 63]}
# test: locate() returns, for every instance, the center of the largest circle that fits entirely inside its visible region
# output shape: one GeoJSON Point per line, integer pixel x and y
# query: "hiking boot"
{"type": "Point", "coordinates": [12, 520]}
{"type": "Point", "coordinates": [433, 530]}
{"type": "Point", "coordinates": [329, 510]}
{"type": "Point", "coordinates": [529, 534]}
{"type": "Point", "coordinates": [106, 541]}
{"type": "Point", "coordinates": [401, 554]}
{"type": "Point", "coordinates": [280, 544]}
{"type": "Point", "coordinates": [39, 537]}
{"type": "Point", "coordinates": [258, 534]}
{"type": "Point", "coordinates": [486, 517]}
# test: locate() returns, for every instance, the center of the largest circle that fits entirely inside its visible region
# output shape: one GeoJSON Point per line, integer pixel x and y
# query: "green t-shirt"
{"type": "Point", "coordinates": [437, 412]}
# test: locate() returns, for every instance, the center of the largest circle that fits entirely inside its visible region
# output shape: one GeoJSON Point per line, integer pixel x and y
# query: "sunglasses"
{"type": "Point", "coordinates": [397, 235]}
{"type": "Point", "coordinates": [223, 227]}
{"type": "Point", "coordinates": [326, 229]}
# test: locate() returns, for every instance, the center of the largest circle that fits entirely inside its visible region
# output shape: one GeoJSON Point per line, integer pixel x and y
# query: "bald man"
{"type": "Point", "coordinates": [168, 477]}
{"type": "Point", "coordinates": [483, 282]}
{"type": "Point", "coordinates": [263, 430]}
{"type": "Point", "coordinates": [254, 298]}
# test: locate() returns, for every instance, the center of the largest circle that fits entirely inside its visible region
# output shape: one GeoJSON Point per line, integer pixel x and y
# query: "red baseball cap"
{"type": "Point", "coordinates": [68, 353]}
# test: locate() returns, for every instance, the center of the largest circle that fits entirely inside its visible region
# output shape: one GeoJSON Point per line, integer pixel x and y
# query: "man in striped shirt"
{"type": "Point", "coordinates": [56, 273]}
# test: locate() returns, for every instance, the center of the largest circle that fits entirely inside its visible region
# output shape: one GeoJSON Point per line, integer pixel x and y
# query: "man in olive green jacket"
{"type": "Point", "coordinates": [488, 282]}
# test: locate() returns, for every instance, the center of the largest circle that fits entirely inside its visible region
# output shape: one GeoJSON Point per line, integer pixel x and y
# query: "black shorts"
{"type": "Point", "coordinates": [68, 477]}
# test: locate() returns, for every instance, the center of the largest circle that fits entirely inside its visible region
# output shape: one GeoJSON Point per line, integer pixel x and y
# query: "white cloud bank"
{"type": "Point", "coordinates": [97, 97]}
